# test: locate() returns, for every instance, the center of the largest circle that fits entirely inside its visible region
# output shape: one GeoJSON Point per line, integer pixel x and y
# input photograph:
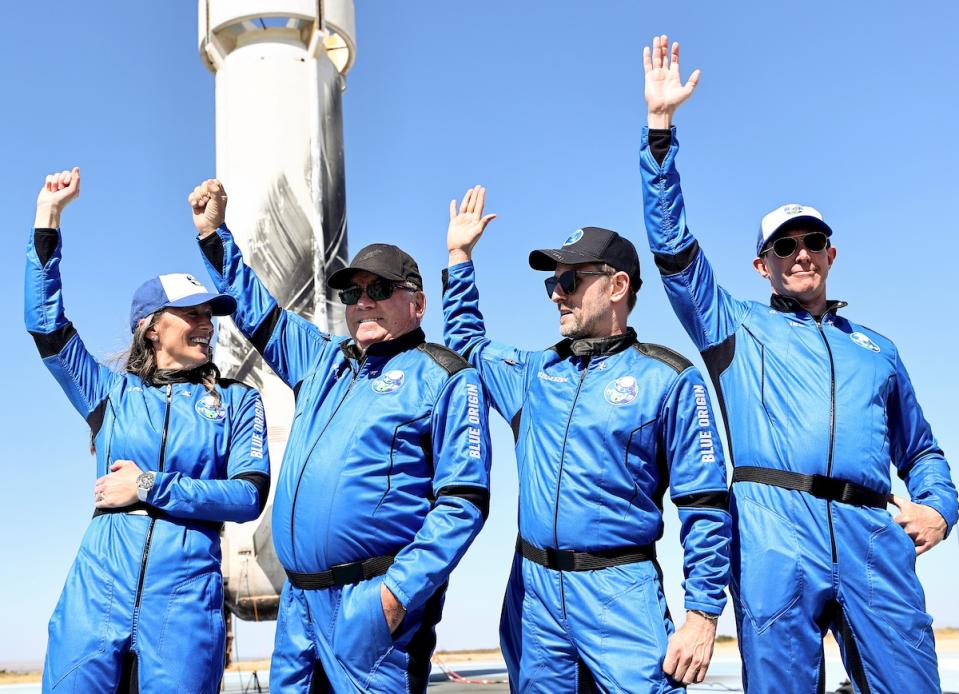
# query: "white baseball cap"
{"type": "Point", "coordinates": [788, 217]}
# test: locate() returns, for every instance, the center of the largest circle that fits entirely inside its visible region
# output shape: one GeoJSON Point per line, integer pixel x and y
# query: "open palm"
{"type": "Point", "coordinates": [665, 90]}
{"type": "Point", "coordinates": [467, 225]}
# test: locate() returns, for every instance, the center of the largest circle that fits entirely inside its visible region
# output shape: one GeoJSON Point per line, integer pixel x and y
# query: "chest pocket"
{"type": "Point", "coordinates": [632, 435]}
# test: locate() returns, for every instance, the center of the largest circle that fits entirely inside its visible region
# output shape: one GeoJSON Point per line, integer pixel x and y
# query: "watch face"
{"type": "Point", "coordinates": [145, 481]}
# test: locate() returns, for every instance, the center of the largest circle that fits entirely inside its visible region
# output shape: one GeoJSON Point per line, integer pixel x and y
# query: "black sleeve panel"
{"type": "Point", "coordinates": [212, 248]}
{"type": "Point", "coordinates": [95, 418]}
{"type": "Point", "coordinates": [717, 500]}
{"type": "Point", "coordinates": [265, 330]}
{"type": "Point", "coordinates": [45, 242]}
{"type": "Point", "coordinates": [262, 483]}
{"type": "Point", "coordinates": [49, 344]}
{"type": "Point", "coordinates": [659, 142]}
{"type": "Point", "coordinates": [514, 424]}
{"type": "Point", "coordinates": [478, 496]}
{"type": "Point", "coordinates": [674, 264]}
{"type": "Point", "coordinates": [446, 279]}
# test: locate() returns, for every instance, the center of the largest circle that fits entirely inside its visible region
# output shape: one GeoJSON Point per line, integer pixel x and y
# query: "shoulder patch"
{"type": "Point", "coordinates": [676, 361]}
{"type": "Point", "coordinates": [451, 362]}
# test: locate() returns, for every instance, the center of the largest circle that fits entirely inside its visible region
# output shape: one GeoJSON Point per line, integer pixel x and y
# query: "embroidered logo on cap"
{"type": "Point", "coordinates": [574, 237]}
{"type": "Point", "coordinates": [389, 382]}
{"type": "Point", "coordinates": [793, 209]}
{"type": "Point", "coordinates": [621, 391]}
{"type": "Point", "coordinates": [864, 341]}
{"type": "Point", "coordinates": [208, 408]}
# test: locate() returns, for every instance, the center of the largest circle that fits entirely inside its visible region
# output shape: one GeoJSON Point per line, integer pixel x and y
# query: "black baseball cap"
{"type": "Point", "coordinates": [592, 245]}
{"type": "Point", "coordinates": [383, 260]}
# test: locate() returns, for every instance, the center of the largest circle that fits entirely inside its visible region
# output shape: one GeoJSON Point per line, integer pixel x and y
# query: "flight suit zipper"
{"type": "Point", "coordinates": [559, 477]}
{"type": "Point", "coordinates": [832, 431]}
{"type": "Point", "coordinates": [146, 545]}
{"type": "Point", "coordinates": [306, 461]}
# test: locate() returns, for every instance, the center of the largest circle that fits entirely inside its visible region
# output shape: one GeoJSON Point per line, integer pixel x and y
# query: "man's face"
{"type": "Point", "coordinates": [375, 321]}
{"type": "Point", "coordinates": [801, 276]}
{"type": "Point", "coordinates": [584, 312]}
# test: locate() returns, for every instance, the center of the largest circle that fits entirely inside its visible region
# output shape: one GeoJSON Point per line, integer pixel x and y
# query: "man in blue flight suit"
{"type": "Point", "coordinates": [604, 425]}
{"type": "Point", "coordinates": [385, 480]}
{"type": "Point", "coordinates": [816, 409]}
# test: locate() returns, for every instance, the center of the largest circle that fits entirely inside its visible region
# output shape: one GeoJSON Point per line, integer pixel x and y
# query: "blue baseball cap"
{"type": "Point", "coordinates": [177, 290]}
{"type": "Point", "coordinates": [786, 218]}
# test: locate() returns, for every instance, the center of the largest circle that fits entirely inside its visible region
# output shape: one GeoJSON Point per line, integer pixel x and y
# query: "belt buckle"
{"type": "Point", "coordinates": [344, 574]}
{"type": "Point", "coordinates": [561, 559]}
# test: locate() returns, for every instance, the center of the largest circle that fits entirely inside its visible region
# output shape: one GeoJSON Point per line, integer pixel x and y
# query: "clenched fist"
{"type": "Point", "coordinates": [208, 201]}
{"type": "Point", "coordinates": [57, 191]}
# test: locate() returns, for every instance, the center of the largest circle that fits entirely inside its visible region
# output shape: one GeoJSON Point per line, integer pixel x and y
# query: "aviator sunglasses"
{"type": "Point", "coordinates": [567, 280]}
{"type": "Point", "coordinates": [815, 242]}
{"type": "Point", "coordinates": [379, 289]}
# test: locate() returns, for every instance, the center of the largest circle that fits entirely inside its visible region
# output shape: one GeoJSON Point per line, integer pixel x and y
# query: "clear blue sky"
{"type": "Point", "coordinates": [850, 107]}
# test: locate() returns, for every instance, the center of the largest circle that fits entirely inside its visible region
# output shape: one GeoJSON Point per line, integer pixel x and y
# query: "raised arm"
{"type": "Point", "coordinates": [83, 379]}
{"type": "Point", "coordinates": [289, 343]}
{"type": "Point", "coordinates": [502, 368]}
{"type": "Point", "coordinates": [709, 314]}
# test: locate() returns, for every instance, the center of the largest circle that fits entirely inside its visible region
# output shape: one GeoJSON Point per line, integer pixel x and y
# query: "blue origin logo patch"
{"type": "Point", "coordinates": [864, 342]}
{"type": "Point", "coordinates": [621, 391]}
{"type": "Point", "coordinates": [574, 237]}
{"type": "Point", "coordinates": [208, 408]}
{"type": "Point", "coordinates": [389, 382]}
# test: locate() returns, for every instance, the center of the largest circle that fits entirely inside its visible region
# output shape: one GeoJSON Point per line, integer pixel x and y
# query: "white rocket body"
{"type": "Point", "coordinates": [280, 67]}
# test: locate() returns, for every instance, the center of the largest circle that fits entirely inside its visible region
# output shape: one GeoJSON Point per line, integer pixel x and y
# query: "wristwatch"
{"type": "Point", "coordinates": [145, 482]}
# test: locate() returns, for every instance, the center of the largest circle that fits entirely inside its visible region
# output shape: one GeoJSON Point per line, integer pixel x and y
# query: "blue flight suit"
{"type": "Point", "coordinates": [145, 593]}
{"type": "Point", "coordinates": [388, 456]}
{"type": "Point", "coordinates": [825, 397]}
{"type": "Point", "coordinates": [603, 427]}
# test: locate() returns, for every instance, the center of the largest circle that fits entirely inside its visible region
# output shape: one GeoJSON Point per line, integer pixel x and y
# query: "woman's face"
{"type": "Point", "coordinates": [181, 337]}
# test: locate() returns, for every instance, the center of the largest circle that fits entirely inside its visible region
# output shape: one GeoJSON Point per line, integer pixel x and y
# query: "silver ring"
{"type": "Point", "coordinates": [99, 496]}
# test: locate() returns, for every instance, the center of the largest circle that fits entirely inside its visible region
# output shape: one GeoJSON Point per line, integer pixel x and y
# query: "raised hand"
{"type": "Point", "coordinates": [208, 201]}
{"type": "Point", "coordinates": [924, 525]}
{"type": "Point", "coordinates": [467, 225]}
{"type": "Point", "coordinates": [57, 191]}
{"type": "Point", "coordinates": [664, 89]}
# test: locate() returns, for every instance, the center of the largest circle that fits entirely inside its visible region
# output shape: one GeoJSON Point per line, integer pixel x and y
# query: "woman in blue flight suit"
{"type": "Point", "coordinates": [179, 451]}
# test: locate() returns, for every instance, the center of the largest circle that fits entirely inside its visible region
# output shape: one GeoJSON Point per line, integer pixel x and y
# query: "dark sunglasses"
{"type": "Point", "coordinates": [814, 241]}
{"type": "Point", "coordinates": [379, 289]}
{"type": "Point", "coordinates": [567, 280]}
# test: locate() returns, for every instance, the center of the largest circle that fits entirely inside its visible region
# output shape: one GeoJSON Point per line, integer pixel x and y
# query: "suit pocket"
{"type": "Point", "coordinates": [766, 572]}
{"type": "Point", "coordinates": [894, 590]}
{"type": "Point", "coordinates": [361, 636]}
{"type": "Point", "coordinates": [79, 625]}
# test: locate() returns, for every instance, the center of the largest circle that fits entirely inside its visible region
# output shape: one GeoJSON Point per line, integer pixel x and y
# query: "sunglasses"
{"type": "Point", "coordinates": [567, 280]}
{"type": "Point", "coordinates": [379, 289]}
{"type": "Point", "coordinates": [814, 242]}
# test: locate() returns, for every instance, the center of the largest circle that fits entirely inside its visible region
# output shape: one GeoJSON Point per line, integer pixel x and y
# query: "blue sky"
{"type": "Point", "coordinates": [831, 104]}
